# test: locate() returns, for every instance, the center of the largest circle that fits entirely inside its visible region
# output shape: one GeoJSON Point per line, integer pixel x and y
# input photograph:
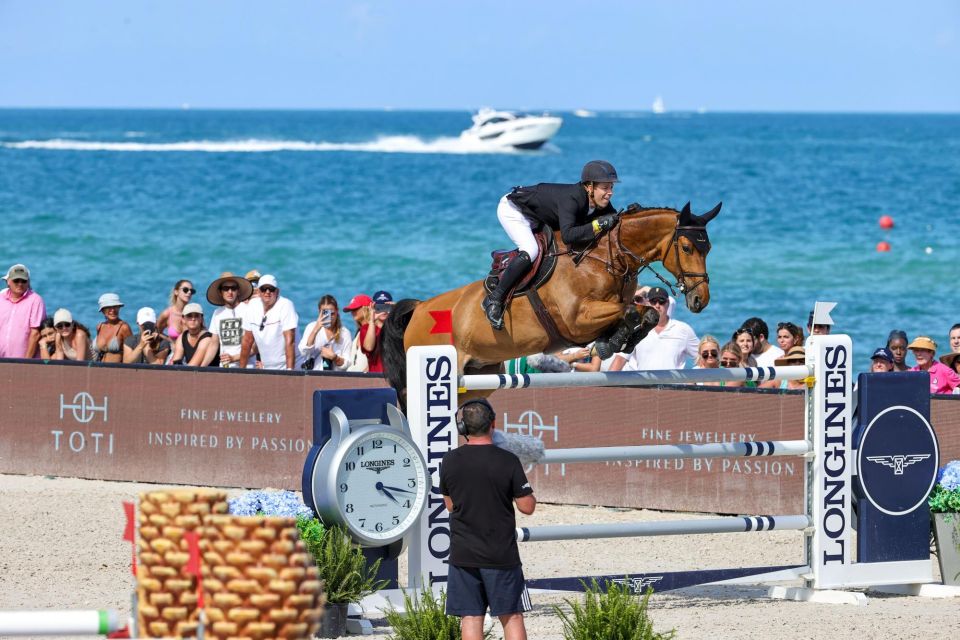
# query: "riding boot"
{"type": "Point", "coordinates": [629, 332]}
{"type": "Point", "coordinates": [495, 301]}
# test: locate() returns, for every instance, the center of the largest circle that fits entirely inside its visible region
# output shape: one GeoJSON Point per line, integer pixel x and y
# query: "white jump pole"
{"type": "Point", "coordinates": [59, 623]}
{"type": "Point", "coordinates": [736, 524]}
{"type": "Point", "coordinates": [678, 451]}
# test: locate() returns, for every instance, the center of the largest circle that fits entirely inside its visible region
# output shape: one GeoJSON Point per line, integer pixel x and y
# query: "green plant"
{"type": "Point", "coordinates": [945, 497]}
{"type": "Point", "coordinates": [346, 575]}
{"type": "Point", "coordinates": [618, 614]}
{"type": "Point", "coordinates": [425, 618]}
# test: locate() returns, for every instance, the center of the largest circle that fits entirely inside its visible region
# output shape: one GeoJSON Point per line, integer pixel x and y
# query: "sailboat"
{"type": "Point", "coordinates": [658, 106]}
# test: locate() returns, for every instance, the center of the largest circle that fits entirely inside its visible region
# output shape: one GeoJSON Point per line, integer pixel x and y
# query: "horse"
{"type": "Point", "coordinates": [588, 297]}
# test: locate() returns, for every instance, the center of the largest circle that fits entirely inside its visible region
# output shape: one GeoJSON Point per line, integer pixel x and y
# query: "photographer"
{"type": "Point", "coordinates": [148, 346]}
{"type": "Point", "coordinates": [326, 343]}
{"type": "Point", "coordinates": [480, 484]}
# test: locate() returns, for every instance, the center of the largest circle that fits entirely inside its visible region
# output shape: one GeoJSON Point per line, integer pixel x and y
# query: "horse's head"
{"type": "Point", "coordinates": [686, 256]}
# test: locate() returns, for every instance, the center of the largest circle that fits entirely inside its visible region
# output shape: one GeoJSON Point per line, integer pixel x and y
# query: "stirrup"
{"type": "Point", "coordinates": [489, 305]}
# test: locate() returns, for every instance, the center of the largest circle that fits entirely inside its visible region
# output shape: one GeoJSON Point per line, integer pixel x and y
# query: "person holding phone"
{"type": "Point", "coordinates": [326, 343]}
{"type": "Point", "coordinates": [149, 346]}
{"type": "Point", "coordinates": [370, 340]}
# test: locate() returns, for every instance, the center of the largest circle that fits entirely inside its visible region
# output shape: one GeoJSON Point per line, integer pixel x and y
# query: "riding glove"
{"type": "Point", "coordinates": [604, 223]}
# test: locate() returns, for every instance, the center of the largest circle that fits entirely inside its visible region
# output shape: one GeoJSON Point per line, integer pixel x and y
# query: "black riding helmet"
{"type": "Point", "coordinates": [598, 171]}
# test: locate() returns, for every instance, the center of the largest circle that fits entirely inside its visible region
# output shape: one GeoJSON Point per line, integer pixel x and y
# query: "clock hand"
{"type": "Point", "coordinates": [397, 489]}
{"type": "Point", "coordinates": [382, 488]}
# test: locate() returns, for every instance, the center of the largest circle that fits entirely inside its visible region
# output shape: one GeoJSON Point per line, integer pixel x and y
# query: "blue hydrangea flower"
{"type": "Point", "coordinates": [269, 503]}
{"type": "Point", "coordinates": [949, 476]}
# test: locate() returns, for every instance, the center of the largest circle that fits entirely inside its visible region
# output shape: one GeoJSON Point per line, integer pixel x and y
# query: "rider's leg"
{"type": "Point", "coordinates": [518, 228]}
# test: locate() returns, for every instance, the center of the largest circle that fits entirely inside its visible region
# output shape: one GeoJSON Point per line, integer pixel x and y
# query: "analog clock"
{"type": "Point", "coordinates": [371, 478]}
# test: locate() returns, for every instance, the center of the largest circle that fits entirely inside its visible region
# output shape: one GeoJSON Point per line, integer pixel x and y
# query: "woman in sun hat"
{"type": "Point", "coordinates": [943, 379]}
{"type": "Point", "coordinates": [794, 357]}
{"type": "Point", "coordinates": [73, 339]}
{"type": "Point", "coordinates": [952, 360]}
{"type": "Point", "coordinates": [113, 331]}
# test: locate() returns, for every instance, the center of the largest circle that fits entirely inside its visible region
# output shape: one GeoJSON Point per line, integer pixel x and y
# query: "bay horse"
{"type": "Point", "coordinates": [588, 296]}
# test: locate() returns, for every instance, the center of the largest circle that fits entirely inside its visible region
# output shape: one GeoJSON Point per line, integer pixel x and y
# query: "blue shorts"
{"type": "Point", "coordinates": [471, 590]}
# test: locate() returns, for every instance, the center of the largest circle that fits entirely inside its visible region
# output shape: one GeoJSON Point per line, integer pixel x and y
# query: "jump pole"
{"type": "Point", "coordinates": [59, 623]}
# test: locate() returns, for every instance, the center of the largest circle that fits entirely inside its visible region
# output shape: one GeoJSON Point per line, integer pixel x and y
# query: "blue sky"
{"type": "Point", "coordinates": [724, 56]}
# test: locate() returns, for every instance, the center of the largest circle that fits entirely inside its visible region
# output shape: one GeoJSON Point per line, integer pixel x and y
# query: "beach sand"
{"type": "Point", "coordinates": [61, 548]}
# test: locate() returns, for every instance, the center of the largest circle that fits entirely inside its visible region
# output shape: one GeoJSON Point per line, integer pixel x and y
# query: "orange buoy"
{"type": "Point", "coordinates": [883, 245]}
{"type": "Point", "coordinates": [886, 222]}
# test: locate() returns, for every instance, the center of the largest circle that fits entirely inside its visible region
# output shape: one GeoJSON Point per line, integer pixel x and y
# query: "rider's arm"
{"type": "Point", "coordinates": [570, 231]}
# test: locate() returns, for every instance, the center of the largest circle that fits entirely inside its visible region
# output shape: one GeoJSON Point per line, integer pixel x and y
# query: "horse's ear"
{"type": "Point", "coordinates": [710, 215]}
{"type": "Point", "coordinates": [685, 214]}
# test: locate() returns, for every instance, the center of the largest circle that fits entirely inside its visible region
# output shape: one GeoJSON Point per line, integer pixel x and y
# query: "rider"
{"type": "Point", "coordinates": [580, 211]}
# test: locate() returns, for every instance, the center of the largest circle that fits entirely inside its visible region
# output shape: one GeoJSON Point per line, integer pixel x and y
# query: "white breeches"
{"type": "Point", "coordinates": [518, 227]}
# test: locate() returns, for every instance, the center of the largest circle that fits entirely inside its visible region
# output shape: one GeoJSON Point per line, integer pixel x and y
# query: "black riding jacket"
{"type": "Point", "coordinates": [565, 207]}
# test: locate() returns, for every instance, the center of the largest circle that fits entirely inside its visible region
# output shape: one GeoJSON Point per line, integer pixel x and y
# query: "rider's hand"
{"type": "Point", "coordinates": [604, 223]}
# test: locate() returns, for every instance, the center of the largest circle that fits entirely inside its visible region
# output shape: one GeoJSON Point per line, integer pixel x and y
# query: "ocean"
{"type": "Point", "coordinates": [343, 202]}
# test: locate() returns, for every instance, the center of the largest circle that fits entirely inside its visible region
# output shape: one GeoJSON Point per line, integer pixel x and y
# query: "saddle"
{"type": "Point", "coordinates": [539, 272]}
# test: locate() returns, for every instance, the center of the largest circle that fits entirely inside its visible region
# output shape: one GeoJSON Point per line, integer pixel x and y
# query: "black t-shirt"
{"type": "Point", "coordinates": [482, 481]}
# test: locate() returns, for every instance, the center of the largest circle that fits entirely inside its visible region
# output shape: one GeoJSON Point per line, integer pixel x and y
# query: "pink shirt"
{"type": "Point", "coordinates": [16, 321]}
{"type": "Point", "coordinates": [942, 378]}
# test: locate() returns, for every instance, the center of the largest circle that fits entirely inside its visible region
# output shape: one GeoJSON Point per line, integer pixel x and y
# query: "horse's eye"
{"type": "Point", "coordinates": [687, 249]}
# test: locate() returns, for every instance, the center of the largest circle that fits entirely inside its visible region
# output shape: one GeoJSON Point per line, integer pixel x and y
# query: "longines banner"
{"type": "Point", "coordinates": [246, 429]}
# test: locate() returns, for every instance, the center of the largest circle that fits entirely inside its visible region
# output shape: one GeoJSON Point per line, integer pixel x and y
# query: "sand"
{"type": "Point", "coordinates": [62, 548]}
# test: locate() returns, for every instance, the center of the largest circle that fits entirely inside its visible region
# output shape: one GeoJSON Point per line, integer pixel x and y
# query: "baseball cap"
{"type": "Point", "coordinates": [193, 307]}
{"type": "Point", "coordinates": [658, 293]}
{"type": "Point", "coordinates": [883, 353]}
{"type": "Point", "coordinates": [146, 314]}
{"type": "Point", "coordinates": [381, 297]}
{"type": "Point", "coordinates": [923, 342]}
{"type": "Point", "coordinates": [17, 271]}
{"type": "Point", "coordinates": [357, 301]}
{"type": "Point", "coordinates": [62, 315]}
{"type": "Point", "coordinates": [267, 280]}
{"type": "Point", "coordinates": [109, 300]}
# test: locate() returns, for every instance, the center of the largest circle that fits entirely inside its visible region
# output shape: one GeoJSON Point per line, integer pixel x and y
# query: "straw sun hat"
{"type": "Point", "coordinates": [215, 297]}
{"type": "Point", "coordinates": [923, 342]}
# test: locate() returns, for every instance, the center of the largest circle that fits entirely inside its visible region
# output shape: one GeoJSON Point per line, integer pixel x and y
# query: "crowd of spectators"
{"type": "Point", "coordinates": [253, 325]}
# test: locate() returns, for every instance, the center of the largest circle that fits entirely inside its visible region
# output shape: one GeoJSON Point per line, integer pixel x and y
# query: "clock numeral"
{"type": "Point", "coordinates": [396, 520]}
{"type": "Point", "coordinates": [349, 507]}
{"type": "Point", "coordinates": [411, 482]}
{"type": "Point", "coordinates": [363, 522]}
{"type": "Point", "coordinates": [378, 444]}
{"type": "Point", "coordinates": [406, 462]}
{"type": "Point", "coordinates": [379, 526]}
{"type": "Point", "coordinates": [406, 504]}
{"type": "Point", "coordinates": [343, 487]}
{"type": "Point", "coordinates": [350, 466]}
{"type": "Point", "coordinates": [360, 450]}
{"type": "Point", "coordinates": [394, 448]}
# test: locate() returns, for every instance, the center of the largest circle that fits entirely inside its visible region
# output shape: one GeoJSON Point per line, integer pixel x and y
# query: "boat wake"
{"type": "Point", "coordinates": [382, 144]}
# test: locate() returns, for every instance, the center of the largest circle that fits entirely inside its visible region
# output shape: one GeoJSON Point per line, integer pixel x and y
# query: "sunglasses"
{"type": "Point", "coordinates": [268, 289]}
{"type": "Point", "coordinates": [658, 300]}
{"type": "Point", "coordinates": [193, 316]}
{"type": "Point", "coordinates": [63, 325]}
{"type": "Point", "coordinates": [19, 281]}
{"type": "Point", "coordinates": [709, 354]}
{"type": "Point", "coordinates": [789, 326]}
{"type": "Point", "coordinates": [188, 290]}
{"type": "Point", "coordinates": [729, 363]}
{"type": "Point", "coordinates": [263, 323]}
{"type": "Point", "coordinates": [229, 287]}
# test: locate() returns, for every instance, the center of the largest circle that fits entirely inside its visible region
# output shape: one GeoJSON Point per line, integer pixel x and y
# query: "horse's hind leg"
{"type": "Point", "coordinates": [476, 368]}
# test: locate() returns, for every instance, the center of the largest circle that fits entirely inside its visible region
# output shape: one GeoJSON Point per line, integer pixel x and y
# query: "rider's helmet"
{"type": "Point", "coordinates": [598, 171]}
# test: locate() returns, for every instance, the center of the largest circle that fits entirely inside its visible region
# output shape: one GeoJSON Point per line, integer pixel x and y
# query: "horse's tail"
{"type": "Point", "coordinates": [393, 353]}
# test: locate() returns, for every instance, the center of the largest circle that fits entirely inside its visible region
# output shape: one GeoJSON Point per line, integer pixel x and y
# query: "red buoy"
{"type": "Point", "coordinates": [886, 222]}
{"type": "Point", "coordinates": [883, 245]}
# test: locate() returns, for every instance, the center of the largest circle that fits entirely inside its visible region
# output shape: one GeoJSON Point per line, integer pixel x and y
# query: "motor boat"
{"type": "Point", "coordinates": [511, 129]}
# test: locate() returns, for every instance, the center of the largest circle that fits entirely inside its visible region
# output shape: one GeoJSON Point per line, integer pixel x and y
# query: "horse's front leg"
{"type": "Point", "coordinates": [626, 334]}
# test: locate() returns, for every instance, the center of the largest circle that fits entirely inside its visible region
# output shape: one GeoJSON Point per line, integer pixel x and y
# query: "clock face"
{"type": "Point", "coordinates": [381, 485]}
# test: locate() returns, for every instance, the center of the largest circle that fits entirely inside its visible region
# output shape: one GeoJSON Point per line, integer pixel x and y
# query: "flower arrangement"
{"type": "Point", "coordinates": [945, 497]}
{"type": "Point", "coordinates": [269, 503]}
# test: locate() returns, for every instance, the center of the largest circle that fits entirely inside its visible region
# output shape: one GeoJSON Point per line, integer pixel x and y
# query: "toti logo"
{"type": "Point", "coordinates": [83, 407]}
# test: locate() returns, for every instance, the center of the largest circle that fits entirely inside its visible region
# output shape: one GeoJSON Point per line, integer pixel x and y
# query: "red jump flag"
{"type": "Point", "coordinates": [193, 564]}
{"type": "Point", "coordinates": [130, 533]}
{"type": "Point", "coordinates": [442, 322]}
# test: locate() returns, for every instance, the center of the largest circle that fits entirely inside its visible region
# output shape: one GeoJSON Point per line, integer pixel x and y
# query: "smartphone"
{"type": "Point", "coordinates": [382, 307]}
{"type": "Point", "coordinates": [326, 317]}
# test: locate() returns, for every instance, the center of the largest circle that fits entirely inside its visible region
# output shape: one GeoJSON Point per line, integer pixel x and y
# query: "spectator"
{"type": "Point", "coordinates": [361, 309]}
{"type": "Point", "coordinates": [708, 357]}
{"type": "Point", "coordinates": [745, 340]}
{"type": "Point", "coordinates": [196, 347]}
{"type": "Point", "coordinates": [228, 292]}
{"type": "Point", "coordinates": [795, 356]}
{"type": "Point", "coordinates": [270, 321]}
{"type": "Point", "coordinates": [667, 346]}
{"type": "Point", "coordinates": [370, 340]}
{"type": "Point", "coordinates": [171, 318]}
{"type": "Point", "coordinates": [764, 353]}
{"type": "Point", "coordinates": [149, 346]}
{"type": "Point", "coordinates": [113, 331]}
{"type": "Point", "coordinates": [732, 357]}
{"type": "Point", "coordinates": [253, 277]}
{"type": "Point", "coordinates": [480, 484]}
{"type": "Point", "coordinates": [882, 361]}
{"type": "Point", "coordinates": [897, 343]}
{"type": "Point", "coordinates": [47, 344]}
{"type": "Point", "coordinates": [581, 360]}
{"type": "Point", "coordinates": [789, 335]}
{"type": "Point", "coordinates": [817, 329]}
{"type": "Point", "coordinates": [73, 339]}
{"type": "Point", "coordinates": [955, 338]}
{"type": "Point", "coordinates": [952, 360]}
{"type": "Point", "coordinates": [21, 311]}
{"type": "Point", "coordinates": [640, 297]}
{"type": "Point", "coordinates": [326, 343]}
{"type": "Point", "coordinates": [943, 379]}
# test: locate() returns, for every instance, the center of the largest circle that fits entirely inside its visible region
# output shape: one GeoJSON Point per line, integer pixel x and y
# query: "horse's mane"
{"type": "Point", "coordinates": [648, 209]}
